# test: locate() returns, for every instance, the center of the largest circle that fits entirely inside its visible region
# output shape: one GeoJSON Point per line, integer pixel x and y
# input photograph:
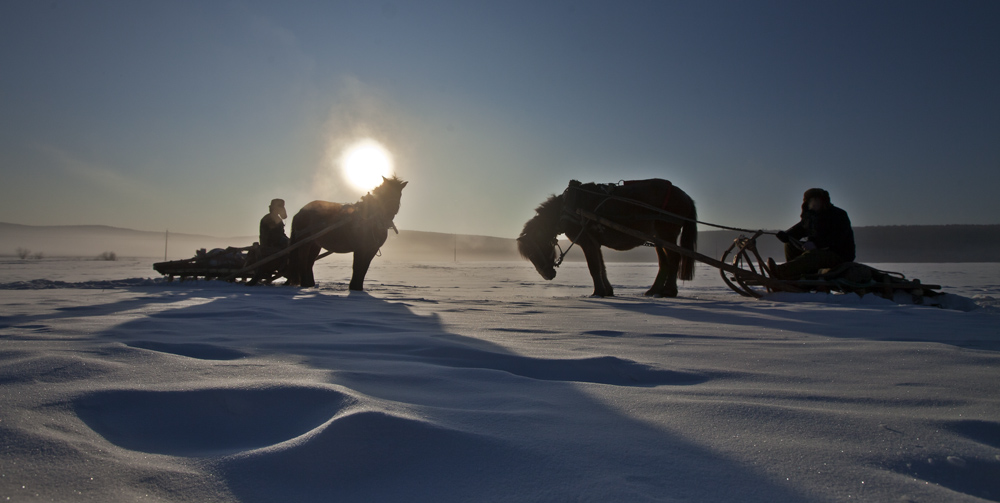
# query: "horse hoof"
{"type": "Point", "coordinates": [661, 294]}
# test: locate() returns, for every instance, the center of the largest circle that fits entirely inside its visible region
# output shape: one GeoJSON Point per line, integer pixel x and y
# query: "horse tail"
{"type": "Point", "coordinates": [689, 241]}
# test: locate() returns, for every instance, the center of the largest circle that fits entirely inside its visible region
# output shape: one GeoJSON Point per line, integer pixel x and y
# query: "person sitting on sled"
{"type": "Point", "coordinates": [829, 239]}
{"type": "Point", "coordinates": [272, 229]}
{"type": "Point", "coordinates": [272, 240]}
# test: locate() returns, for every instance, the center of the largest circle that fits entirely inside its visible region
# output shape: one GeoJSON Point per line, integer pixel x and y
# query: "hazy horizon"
{"type": "Point", "coordinates": [949, 243]}
{"type": "Point", "coordinates": [253, 236]}
{"type": "Point", "coordinates": [191, 116]}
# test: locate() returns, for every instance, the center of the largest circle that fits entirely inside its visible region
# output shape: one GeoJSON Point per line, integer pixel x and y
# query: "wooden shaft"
{"type": "Point", "coordinates": [683, 251]}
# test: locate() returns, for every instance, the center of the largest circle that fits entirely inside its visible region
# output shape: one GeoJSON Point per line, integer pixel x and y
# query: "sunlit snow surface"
{"type": "Point", "coordinates": [483, 382]}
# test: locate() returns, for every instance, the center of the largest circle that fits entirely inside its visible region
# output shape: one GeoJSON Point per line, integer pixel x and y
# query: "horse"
{"type": "Point", "coordinates": [363, 234]}
{"type": "Point", "coordinates": [632, 204]}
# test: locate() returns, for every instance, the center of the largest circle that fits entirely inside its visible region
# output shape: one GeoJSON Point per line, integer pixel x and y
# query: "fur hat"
{"type": "Point", "coordinates": [817, 193]}
{"type": "Point", "coordinates": [279, 204]}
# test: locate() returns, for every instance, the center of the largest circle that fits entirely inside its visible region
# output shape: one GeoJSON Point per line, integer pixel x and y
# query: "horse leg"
{"type": "Point", "coordinates": [362, 260]}
{"type": "Point", "coordinates": [673, 263]}
{"type": "Point", "coordinates": [665, 284]}
{"type": "Point", "coordinates": [595, 263]}
{"type": "Point", "coordinates": [293, 276]}
{"type": "Point", "coordinates": [661, 274]}
{"type": "Point", "coordinates": [306, 269]}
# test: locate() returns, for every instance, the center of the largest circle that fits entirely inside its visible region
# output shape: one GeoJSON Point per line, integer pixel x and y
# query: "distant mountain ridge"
{"type": "Point", "coordinates": [92, 240]}
{"type": "Point", "coordinates": [101, 229]}
{"type": "Point", "coordinates": [898, 243]}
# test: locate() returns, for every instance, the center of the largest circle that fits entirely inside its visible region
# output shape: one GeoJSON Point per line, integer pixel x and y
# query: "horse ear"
{"type": "Point", "coordinates": [403, 185]}
{"type": "Point", "coordinates": [384, 179]}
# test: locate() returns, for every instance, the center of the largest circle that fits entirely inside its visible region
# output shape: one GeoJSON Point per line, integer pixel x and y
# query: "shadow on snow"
{"type": "Point", "coordinates": [408, 409]}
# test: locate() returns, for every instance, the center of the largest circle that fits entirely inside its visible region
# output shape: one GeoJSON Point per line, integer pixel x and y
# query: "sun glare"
{"type": "Point", "coordinates": [364, 163]}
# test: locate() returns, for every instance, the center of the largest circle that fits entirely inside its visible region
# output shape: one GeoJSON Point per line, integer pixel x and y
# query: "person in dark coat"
{"type": "Point", "coordinates": [272, 240]}
{"type": "Point", "coordinates": [829, 239]}
{"type": "Point", "coordinates": [272, 227]}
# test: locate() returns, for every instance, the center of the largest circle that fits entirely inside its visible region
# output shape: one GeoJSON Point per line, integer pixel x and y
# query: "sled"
{"type": "Point", "coordinates": [237, 264]}
{"type": "Point", "coordinates": [744, 271]}
{"type": "Point", "coordinates": [850, 277]}
{"type": "Point", "coordinates": [208, 264]}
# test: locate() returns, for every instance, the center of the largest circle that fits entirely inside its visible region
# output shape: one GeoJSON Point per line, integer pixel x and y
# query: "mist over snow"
{"type": "Point", "coordinates": [914, 243]}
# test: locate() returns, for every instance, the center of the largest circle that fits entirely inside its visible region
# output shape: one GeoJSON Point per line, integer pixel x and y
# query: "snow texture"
{"type": "Point", "coordinates": [483, 382]}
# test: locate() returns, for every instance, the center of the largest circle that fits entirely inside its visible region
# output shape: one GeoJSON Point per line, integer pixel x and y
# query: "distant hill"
{"type": "Point", "coordinates": [908, 243]}
{"type": "Point", "coordinates": [929, 243]}
{"type": "Point", "coordinates": [92, 240]}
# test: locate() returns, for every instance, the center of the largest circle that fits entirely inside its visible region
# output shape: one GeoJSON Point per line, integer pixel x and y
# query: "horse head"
{"type": "Point", "coordinates": [388, 194]}
{"type": "Point", "coordinates": [537, 241]}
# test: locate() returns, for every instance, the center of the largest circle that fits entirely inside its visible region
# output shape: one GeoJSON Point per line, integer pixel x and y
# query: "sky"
{"type": "Point", "coordinates": [192, 115]}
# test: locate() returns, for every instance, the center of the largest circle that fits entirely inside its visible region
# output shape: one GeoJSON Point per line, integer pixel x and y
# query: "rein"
{"type": "Point", "coordinates": [562, 254]}
{"type": "Point", "coordinates": [650, 207]}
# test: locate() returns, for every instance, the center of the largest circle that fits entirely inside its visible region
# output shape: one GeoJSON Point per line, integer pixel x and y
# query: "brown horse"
{"type": "Point", "coordinates": [633, 204]}
{"type": "Point", "coordinates": [365, 232]}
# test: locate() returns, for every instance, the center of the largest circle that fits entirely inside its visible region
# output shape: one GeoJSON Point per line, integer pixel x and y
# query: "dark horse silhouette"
{"type": "Point", "coordinates": [371, 219]}
{"type": "Point", "coordinates": [633, 204]}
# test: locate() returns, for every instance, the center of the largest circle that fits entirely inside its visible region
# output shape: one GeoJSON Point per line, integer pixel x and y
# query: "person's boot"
{"type": "Point", "coordinates": [772, 269]}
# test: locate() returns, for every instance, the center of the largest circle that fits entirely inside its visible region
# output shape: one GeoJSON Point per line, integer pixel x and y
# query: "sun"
{"type": "Point", "coordinates": [365, 162]}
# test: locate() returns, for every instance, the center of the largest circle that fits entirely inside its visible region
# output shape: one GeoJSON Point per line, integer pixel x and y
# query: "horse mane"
{"type": "Point", "coordinates": [387, 183]}
{"type": "Point", "coordinates": [376, 198]}
{"type": "Point", "coordinates": [545, 223]}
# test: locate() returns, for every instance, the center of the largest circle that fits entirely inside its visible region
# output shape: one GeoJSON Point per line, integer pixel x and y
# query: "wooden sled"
{"type": "Point", "coordinates": [851, 277]}
{"type": "Point", "coordinates": [208, 264]}
{"type": "Point", "coordinates": [743, 270]}
{"type": "Point", "coordinates": [238, 264]}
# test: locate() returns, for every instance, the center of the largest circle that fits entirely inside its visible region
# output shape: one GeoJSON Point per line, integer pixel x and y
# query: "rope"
{"type": "Point", "coordinates": [562, 254]}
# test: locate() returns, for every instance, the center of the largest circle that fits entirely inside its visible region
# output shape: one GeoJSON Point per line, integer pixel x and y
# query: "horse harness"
{"type": "Point", "coordinates": [378, 220]}
{"type": "Point", "coordinates": [607, 191]}
{"type": "Point", "coordinates": [354, 210]}
{"type": "Point", "coordinates": [666, 198]}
